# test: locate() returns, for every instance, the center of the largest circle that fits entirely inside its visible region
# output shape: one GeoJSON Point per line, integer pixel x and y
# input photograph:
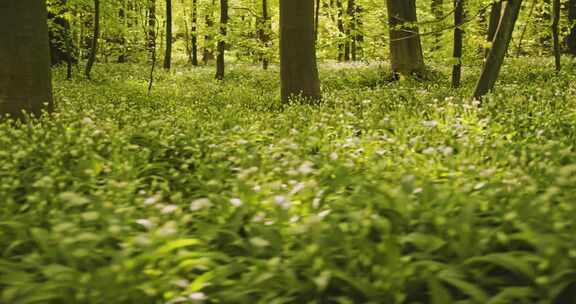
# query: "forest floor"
{"type": "Point", "coordinates": [209, 192]}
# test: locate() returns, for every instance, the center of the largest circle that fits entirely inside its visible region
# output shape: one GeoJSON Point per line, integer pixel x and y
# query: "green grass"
{"type": "Point", "coordinates": [208, 192]}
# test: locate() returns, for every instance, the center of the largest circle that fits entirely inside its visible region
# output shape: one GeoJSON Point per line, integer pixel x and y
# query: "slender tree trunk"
{"type": "Point", "coordinates": [95, 35]}
{"type": "Point", "coordinates": [405, 47]}
{"type": "Point", "coordinates": [122, 14]}
{"type": "Point", "coordinates": [298, 68]}
{"type": "Point", "coordinates": [350, 30]}
{"type": "Point", "coordinates": [194, 32]}
{"type": "Point", "coordinates": [208, 53]}
{"type": "Point", "coordinates": [358, 49]}
{"type": "Point", "coordinates": [438, 12]}
{"type": "Point", "coordinates": [151, 25]}
{"type": "Point", "coordinates": [341, 33]}
{"type": "Point", "coordinates": [458, 37]}
{"type": "Point", "coordinates": [25, 80]}
{"type": "Point", "coordinates": [555, 33]}
{"type": "Point", "coordinates": [497, 53]}
{"type": "Point", "coordinates": [495, 14]}
{"type": "Point", "coordinates": [222, 42]}
{"type": "Point", "coordinates": [168, 51]}
{"type": "Point", "coordinates": [264, 36]}
{"type": "Point", "coordinates": [571, 39]}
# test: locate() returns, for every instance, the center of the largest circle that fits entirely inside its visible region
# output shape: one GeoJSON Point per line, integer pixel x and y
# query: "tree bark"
{"type": "Point", "coordinates": [151, 26]}
{"type": "Point", "coordinates": [25, 79]}
{"type": "Point", "coordinates": [168, 51]}
{"type": "Point", "coordinates": [350, 30]}
{"type": "Point", "coordinates": [222, 42]}
{"type": "Point", "coordinates": [95, 35]}
{"type": "Point", "coordinates": [458, 37]}
{"type": "Point", "coordinates": [316, 20]}
{"type": "Point", "coordinates": [495, 14]}
{"type": "Point", "coordinates": [438, 12]}
{"type": "Point", "coordinates": [405, 46]}
{"type": "Point", "coordinates": [194, 32]}
{"type": "Point", "coordinates": [555, 33]}
{"type": "Point", "coordinates": [298, 67]}
{"type": "Point", "coordinates": [341, 33]}
{"type": "Point", "coordinates": [264, 34]}
{"type": "Point", "coordinates": [208, 53]}
{"type": "Point", "coordinates": [497, 53]}
{"type": "Point", "coordinates": [571, 39]}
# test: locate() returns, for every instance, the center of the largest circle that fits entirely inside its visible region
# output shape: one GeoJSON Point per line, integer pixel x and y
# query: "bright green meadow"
{"type": "Point", "coordinates": [212, 192]}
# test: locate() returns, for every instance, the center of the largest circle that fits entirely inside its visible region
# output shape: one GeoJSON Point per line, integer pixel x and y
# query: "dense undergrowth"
{"type": "Point", "coordinates": [208, 192]}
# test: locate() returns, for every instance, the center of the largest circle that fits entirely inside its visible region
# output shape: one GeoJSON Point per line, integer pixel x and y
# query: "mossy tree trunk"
{"type": "Point", "coordinates": [298, 68]}
{"type": "Point", "coordinates": [264, 33]}
{"type": "Point", "coordinates": [405, 46]}
{"type": "Point", "coordinates": [151, 34]}
{"type": "Point", "coordinates": [495, 14]}
{"type": "Point", "coordinates": [496, 55]}
{"type": "Point", "coordinates": [25, 79]}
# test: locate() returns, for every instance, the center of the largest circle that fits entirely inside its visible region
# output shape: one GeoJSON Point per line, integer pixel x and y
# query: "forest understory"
{"type": "Point", "coordinates": [211, 191]}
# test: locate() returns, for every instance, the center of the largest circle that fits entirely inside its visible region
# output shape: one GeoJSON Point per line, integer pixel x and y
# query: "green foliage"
{"type": "Point", "coordinates": [210, 192]}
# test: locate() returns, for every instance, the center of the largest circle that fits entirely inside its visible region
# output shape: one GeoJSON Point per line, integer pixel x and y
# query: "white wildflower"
{"type": "Point", "coordinates": [236, 202]}
{"type": "Point", "coordinates": [169, 209]}
{"type": "Point", "coordinates": [199, 204]}
{"type": "Point", "coordinates": [145, 222]}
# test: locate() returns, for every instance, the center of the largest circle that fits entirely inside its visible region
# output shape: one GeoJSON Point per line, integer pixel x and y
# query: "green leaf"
{"type": "Point", "coordinates": [177, 244]}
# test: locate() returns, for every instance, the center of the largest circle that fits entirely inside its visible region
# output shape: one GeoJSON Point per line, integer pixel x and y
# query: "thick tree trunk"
{"type": "Point", "coordinates": [555, 33]}
{"type": "Point", "coordinates": [168, 51]}
{"type": "Point", "coordinates": [194, 32]}
{"type": "Point", "coordinates": [222, 42]}
{"type": "Point", "coordinates": [438, 12]}
{"type": "Point", "coordinates": [405, 47]}
{"type": "Point", "coordinates": [571, 40]}
{"type": "Point", "coordinates": [298, 68]}
{"type": "Point", "coordinates": [25, 80]}
{"type": "Point", "coordinates": [151, 26]}
{"type": "Point", "coordinates": [95, 35]}
{"type": "Point", "coordinates": [458, 37]}
{"type": "Point", "coordinates": [316, 20]}
{"type": "Point", "coordinates": [497, 53]}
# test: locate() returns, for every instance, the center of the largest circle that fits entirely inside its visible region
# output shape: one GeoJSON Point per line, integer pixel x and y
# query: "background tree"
{"type": "Point", "coordinates": [95, 35]}
{"type": "Point", "coordinates": [151, 35]}
{"type": "Point", "coordinates": [405, 47]}
{"type": "Point", "coordinates": [556, 33]}
{"type": "Point", "coordinates": [571, 39]}
{"type": "Point", "coordinates": [298, 68]}
{"type": "Point", "coordinates": [194, 32]}
{"type": "Point", "coordinates": [25, 80]}
{"type": "Point", "coordinates": [497, 52]}
{"type": "Point", "coordinates": [222, 40]}
{"type": "Point", "coordinates": [168, 50]}
{"type": "Point", "coordinates": [458, 41]}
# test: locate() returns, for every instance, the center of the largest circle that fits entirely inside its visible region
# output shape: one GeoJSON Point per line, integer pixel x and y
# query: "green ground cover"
{"type": "Point", "coordinates": [208, 192]}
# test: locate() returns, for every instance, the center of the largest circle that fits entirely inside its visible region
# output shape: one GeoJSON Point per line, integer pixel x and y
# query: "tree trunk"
{"type": "Point", "coordinates": [495, 14]}
{"type": "Point", "coordinates": [571, 39]}
{"type": "Point", "coordinates": [341, 33]}
{"type": "Point", "coordinates": [222, 41]}
{"type": "Point", "coordinates": [555, 33]}
{"type": "Point", "coordinates": [25, 80]}
{"type": "Point", "coordinates": [438, 12]}
{"type": "Point", "coordinates": [497, 53]}
{"type": "Point", "coordinates": [208, 53]}
{"type": "Point", "coordinates": [194, 32]}
{"type": "Point", "coordinates": [405, 47]}
{"type": "Point", "coordinates": [95, 35]}
{"type": "Point", "coordinates": [350, 30]}
{"type": "Point", "coordinates": [357, 47]}
{"type": "Point", "coordinates": [151, 25]}
{"type": "Point", "coordinates": [458, 37]}
{"type": "Point", "coordinates": [168, 51]}
{"type": "Point", "coordinates": [316, 20]}
{"type": "Point", "coordinates": [122, 14]}
{"type": "Point", "coordinates": [298, 68]}
{"type": "Point", "coordinates": [264, 36]}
